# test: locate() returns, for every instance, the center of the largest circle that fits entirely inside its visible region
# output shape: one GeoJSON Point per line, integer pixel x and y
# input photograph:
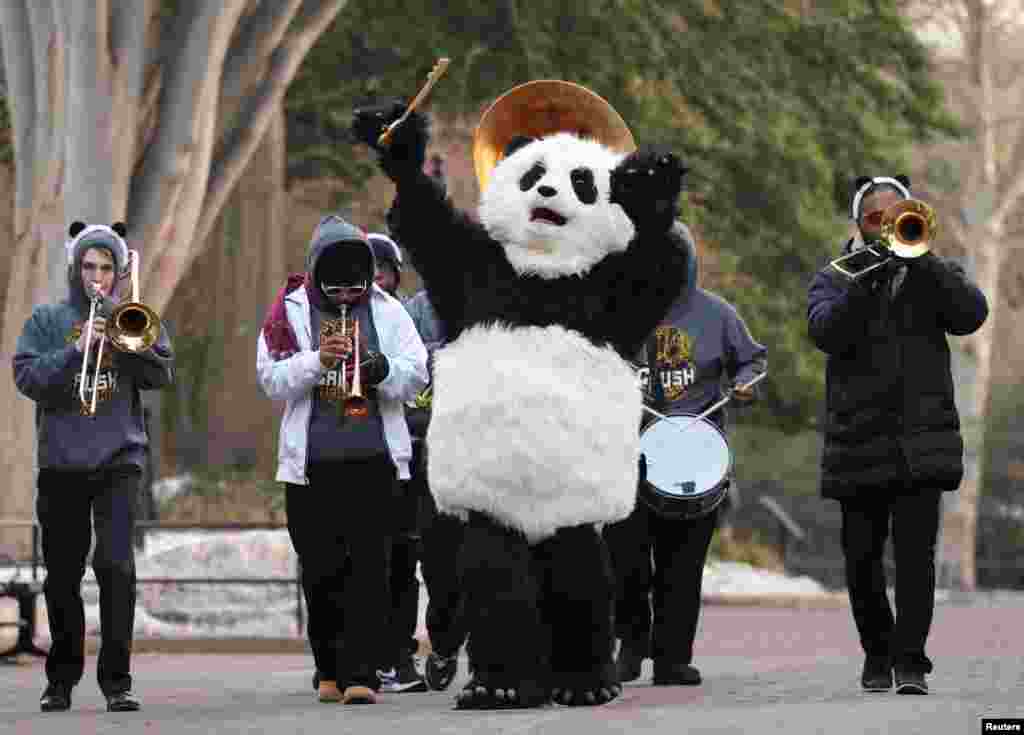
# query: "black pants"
{"type": "Point", "coordinates": [914, 517]}
{"type": "Point", "coordinates": [405, 587]}
{"type": "Point", "coordinates": [538, 615]}
{"type": "Point", "coordinates": [673, 583]}
{"type": "Point", "coordinates": [344, 515]}
{"type": "Point", "coordinates": [68, 505]}
{"type": "Point", "coordinates": [441, 537]}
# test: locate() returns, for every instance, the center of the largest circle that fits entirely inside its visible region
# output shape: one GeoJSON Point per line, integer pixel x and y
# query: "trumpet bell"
{"type": "Point", "coordinates": [908, 227]}
{"type": "Point", "coordinates": [133, 327]}
{"type": "Point", "coordinates": [544, 107]}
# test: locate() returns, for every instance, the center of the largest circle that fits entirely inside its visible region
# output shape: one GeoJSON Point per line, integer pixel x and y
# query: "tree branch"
{"type": "Point", "coordinates": [128, 25]}
{"type": "Point", "coordinates": [47, 87]}
{"type": "Point", "coordinates": [19, 68]}
{"type": "Point", "coordinates": [1008, 201]}
{"type": "Point", "coordinates": [261, 32]}
{"type": "Point", "coordinates": [240, 143]}
{"type": "Point", "coordinates": [194, 55]}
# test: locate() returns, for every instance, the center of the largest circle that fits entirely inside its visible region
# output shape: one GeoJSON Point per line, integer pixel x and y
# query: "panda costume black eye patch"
{"type": "Point", "coordinates": [583, 185]}
{"type": "Point", "coordinates": [531, 177]}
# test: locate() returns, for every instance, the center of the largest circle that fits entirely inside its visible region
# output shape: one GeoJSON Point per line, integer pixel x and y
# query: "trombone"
{"type": "Point", "coordinates": [131, 327]}
{"type": "Point", "coordinates": [355, 403]}
{"type": "Point", "coordinates": [908, 227]}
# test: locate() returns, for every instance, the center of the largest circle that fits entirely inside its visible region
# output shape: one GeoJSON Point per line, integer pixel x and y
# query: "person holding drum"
{"type": "Point", "coordinates": [684, 479]}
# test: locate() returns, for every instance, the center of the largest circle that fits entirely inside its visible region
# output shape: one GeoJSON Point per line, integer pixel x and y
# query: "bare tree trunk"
{"type": "Point", "coordinates": [960, 510]}
{"type": "Point", "coordinates": [142, 145]}
{"type": "Point", "coordinates": [224, 296]}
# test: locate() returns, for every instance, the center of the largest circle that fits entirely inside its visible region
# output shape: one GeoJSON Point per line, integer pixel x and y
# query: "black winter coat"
{"type": "Point", "coordinates": [889, 388]}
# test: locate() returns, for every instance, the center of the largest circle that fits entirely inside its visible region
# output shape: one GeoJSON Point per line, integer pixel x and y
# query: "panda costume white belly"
{"type": "Point", "coordinates": [536, 426]}
{"type": "Point", "coordinates": [534, 432]}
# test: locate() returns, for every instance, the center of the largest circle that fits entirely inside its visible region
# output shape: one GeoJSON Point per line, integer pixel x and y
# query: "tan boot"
{"type": "Point", "coordinates": [357, 694]}
{"type": "Point", "coordinates": [329, 691]}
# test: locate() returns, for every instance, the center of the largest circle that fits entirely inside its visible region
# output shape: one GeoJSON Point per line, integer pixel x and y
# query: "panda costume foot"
{"type": "Point", "coordinates": [480, 693]}
{"type": "Point", "coordinates": [587, 689]}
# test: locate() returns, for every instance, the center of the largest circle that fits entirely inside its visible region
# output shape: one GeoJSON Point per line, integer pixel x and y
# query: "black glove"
{"type": "Point", "coordinates": [407, 150]}
{"type": "Point", "coordinates": [376, 369]}
{"type": "Point", "coordinates": [647, 185]}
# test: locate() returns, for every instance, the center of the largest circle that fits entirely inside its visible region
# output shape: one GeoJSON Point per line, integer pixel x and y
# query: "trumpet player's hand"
{"type": "Point", "coordinates": [333, 349]}
{"type": "Point", "coordinates": [99, 329]}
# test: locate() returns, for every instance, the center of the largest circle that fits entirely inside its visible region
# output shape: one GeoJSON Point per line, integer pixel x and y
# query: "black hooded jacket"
{"type": "Point", "coordinates": [890, 410]}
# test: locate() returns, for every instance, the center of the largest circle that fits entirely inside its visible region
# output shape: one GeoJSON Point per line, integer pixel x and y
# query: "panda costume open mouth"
{"type": "Point", "coordinates": [547, 216]}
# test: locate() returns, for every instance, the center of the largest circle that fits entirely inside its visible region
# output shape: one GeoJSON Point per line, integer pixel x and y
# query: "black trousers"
{"type": "Point", "coordinates": [671, 584]}
{"type": "Point", "coordinates": [537, 615]}
{"type": "Point", "coordinates": [914, 519]}
{"type": "Point", "coordinates": [405, 587]}
{"type": "Point", "coordinates": [441, 542]}
{"type": "Point", "coordinates": [68, 505]}
{"type": "Point", "coordinates": [341, 526]}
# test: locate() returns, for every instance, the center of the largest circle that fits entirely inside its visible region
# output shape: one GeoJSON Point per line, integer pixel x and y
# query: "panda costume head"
{"type": "Point", "coordinates": [548, 203]}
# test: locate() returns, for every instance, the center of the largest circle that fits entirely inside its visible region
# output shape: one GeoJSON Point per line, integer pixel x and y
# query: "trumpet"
{"type": "Point", "coordinates": [355, 403]}
{"type": "Point", "coordinates": [131, 327]}
{"type": "Point", "coordinates": [908, 227]}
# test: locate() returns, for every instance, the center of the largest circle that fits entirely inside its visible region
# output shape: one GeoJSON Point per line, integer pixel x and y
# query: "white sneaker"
{"type": "Point", "coordinates": [388, 680]}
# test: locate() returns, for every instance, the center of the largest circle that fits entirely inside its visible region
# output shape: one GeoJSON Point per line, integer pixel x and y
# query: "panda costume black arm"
{"type": "Point", "coordinates": [445, 245]}
{"type": "Point", "coordinates": [613, 283]}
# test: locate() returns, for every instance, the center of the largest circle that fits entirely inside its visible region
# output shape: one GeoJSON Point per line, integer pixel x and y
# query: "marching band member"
{"type": "Point", "coordinates": [399, 673]}
{"type": "Point", "coordinates": [699, 342]}
{"type": "Point", "coordinates": [90, 463]}
{"type": "Point", "coordinates": [339, 457]}
{"type": "Point", "coordinates": [442, 533]}
{"type": "Point", "coordinates": [892, 433]}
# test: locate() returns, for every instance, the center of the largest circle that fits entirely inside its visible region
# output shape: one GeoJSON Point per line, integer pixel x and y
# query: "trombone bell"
{"type": "Point", "coordinates": [133, 327]}
{"type": "Point", "coordinates": [908, 227]}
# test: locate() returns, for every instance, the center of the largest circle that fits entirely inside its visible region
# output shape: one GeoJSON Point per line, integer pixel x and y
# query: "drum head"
{"type": "Point", "coordinates": [685, 464]}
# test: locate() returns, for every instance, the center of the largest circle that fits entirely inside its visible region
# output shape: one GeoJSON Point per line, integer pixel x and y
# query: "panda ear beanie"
{"type": "Point", "coordinates": [864, 184]}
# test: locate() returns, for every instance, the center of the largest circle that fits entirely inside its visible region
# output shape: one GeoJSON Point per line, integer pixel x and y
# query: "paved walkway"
{"type": "Point", "coordinates": [766, 671]}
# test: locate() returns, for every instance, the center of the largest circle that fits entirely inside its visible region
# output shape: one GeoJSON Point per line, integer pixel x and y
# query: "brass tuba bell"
{"type": "Point", "coordinates": [544, 107]}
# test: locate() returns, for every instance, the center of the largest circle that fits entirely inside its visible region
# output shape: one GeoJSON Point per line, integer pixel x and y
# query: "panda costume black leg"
{"type": "Point", "coordinates": [534, 436]}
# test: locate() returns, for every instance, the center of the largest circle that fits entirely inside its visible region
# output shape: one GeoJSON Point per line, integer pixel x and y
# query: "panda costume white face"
{"type": "Point", "coordinates": [548, 204]}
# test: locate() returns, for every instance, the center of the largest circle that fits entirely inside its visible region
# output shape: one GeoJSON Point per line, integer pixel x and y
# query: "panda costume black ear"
{"type": "Point", "coordinates": [516, 143]}
{"type": "Point", "coordinates": [75, 228]}
{"type": "Point", "coordinates": [119, 228]}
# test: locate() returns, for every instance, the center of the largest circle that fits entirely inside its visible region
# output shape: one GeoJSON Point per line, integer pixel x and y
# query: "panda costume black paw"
{"type": "Point", "coordinates": [534, 434]}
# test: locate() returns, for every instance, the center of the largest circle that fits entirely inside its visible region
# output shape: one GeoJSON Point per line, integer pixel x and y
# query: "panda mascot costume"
{"type": "Point", "coordinates": [534, 437]}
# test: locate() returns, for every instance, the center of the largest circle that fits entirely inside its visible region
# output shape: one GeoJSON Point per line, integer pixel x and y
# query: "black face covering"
{"type": "Point", "coordinates": [344, 265]}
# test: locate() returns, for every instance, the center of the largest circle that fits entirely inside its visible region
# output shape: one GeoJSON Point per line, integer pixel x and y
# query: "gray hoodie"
{"type": "Point", "coordinates": [47, 367]}
{"type": "Point", "coordinates": [701, 342]}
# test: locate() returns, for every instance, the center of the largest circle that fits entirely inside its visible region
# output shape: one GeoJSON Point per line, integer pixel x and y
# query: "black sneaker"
{"type": "Point", "coordinates": [675, 675]}
{"type": "Point", "coordinates": [122, 702]}
{"type": "Point", "coordinates": [628, 665]}
{"type": "Point", "coordinates": [439, 670]}
{"type": "Point", "coordinates": [402, 678]}
{"type": "Point", "coordinates": [56, 698]}
{"type": "Point", "coordinates": [877, 674]}
{"type": "Point", "coordinates": [911, 682]}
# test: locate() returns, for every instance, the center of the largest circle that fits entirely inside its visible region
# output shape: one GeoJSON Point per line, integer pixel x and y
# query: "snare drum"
{"type": "Point", "coordinates": [687, 472]}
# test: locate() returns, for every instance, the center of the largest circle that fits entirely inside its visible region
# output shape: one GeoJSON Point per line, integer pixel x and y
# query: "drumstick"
{"type": "Point", "coordinates": [709, 411]}
{"type": "Point", "coordinates": [432, 77]}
